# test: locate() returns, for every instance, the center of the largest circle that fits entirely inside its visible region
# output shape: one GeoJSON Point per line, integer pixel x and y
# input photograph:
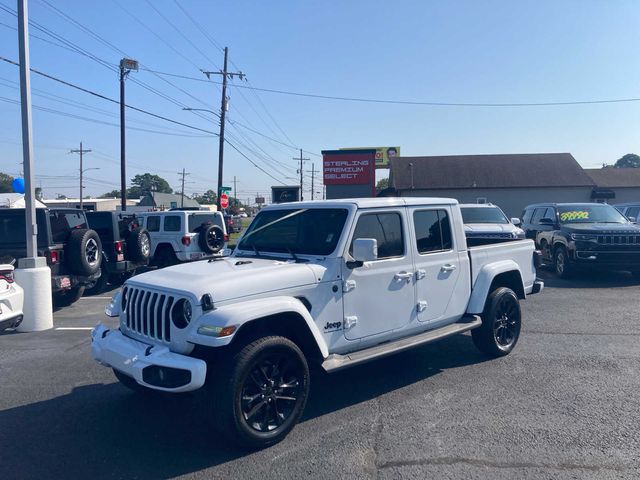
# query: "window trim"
{"type": "Point", "coordinates": [430, 252]}
{"type": "Point", "coordinates": [363, 213]}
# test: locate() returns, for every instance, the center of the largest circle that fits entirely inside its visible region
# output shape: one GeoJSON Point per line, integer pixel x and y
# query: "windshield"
{"type": "Point", "coordinates": [483, 215]}
{"type": "Point", "coordinates": [305, 231]}
{"type": "Point", "coordinates": [570, 214]}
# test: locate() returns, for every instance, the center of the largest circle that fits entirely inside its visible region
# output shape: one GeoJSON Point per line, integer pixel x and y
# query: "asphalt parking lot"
{"type": "Point", "coordinates": [565, 404]}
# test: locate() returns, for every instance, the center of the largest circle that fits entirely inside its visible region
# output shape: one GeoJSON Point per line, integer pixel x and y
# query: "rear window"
{"type": "Point", "coordinates": [102, 222]}
{"type": "Point", "coordinates": [63, 221]}
{"type": "Point", "coordinates": [197, 220]}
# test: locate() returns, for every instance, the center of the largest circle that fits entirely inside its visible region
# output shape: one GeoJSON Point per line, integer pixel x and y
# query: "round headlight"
{"type": "Point", "coordinates": [181, 313]}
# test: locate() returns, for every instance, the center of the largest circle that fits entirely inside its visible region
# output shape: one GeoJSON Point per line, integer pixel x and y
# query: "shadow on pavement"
{"type": "Point", "coordinates": [589, 279]}
{"type": "Point", "coordinates": [106, 431]}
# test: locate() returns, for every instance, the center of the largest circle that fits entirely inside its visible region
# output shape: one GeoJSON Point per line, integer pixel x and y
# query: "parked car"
{"type": "Point", "coordinates": [630, 210]}
{"type": "Point", "coordinates": [572, 235]}
{"type": "Point", "coordinates": [126, 247]}
{"type": "Point", "coordinates": [72, 249]}
{"type": "Point", "coordinates": [234, 223]}
{"type": "Point", "coordinates": [11, 299]}
{"type": "Point", "coordinates": [485, 223]}
{"type": "Point", "coordinates": [335, 283]}
{"type": "Point", "coordinates": [183, 236]}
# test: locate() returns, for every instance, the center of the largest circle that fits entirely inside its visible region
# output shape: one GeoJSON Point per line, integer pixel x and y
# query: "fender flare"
{"type": "Point", "coordinates": [241, 313]}
{"type": "Point", "coordinates": [480, 290]}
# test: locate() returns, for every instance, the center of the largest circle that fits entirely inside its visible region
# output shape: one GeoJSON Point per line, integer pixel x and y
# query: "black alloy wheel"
{"type": "Point", "coordinates": [501, 324]}
{"type": "Point", "coordinates": [271, 391]}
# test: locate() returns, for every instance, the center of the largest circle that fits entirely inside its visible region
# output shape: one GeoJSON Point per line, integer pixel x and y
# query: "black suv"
{"type": "Point", "coordinates": [583, 234]}
{"type": "Point", "coordinates": [126, 247]}
{"type": "Point", "coordinates": [73, 251]}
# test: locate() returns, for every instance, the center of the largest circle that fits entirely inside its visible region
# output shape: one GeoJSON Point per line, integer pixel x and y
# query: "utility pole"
{"type": "Point", "coordinates": [126, 66]}
{"type": "Point", "coordinates": [312, 171]}
{"type": "Point", "coordinates": [184, 174]}
{"type": "Point", "coordinates": [235, 192]}
{"type": "Point", "coordinates": [223, 109]}
{"type": "Point", "coordinates": [80, 151]}
{"type": "Point", "coordinates": [301, 173]}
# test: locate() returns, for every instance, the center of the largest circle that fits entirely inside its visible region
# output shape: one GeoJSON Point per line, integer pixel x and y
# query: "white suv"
{"type": "Point", "coordinates": [11, 299]}
{"type": "Point", "coordinates": [184, 236]}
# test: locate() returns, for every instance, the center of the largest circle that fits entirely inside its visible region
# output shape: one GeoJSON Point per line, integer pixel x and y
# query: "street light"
{"type": "Point", "coordinates": [82, 186]}
{"type": "Point", "coordinates": [200, 110]}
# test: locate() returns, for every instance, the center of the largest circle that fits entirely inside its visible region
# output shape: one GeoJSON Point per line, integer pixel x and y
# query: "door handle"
{"type": "Point", "coordinates": [403, 276]}
{"type": "Point", "coordinates": [448, 267]}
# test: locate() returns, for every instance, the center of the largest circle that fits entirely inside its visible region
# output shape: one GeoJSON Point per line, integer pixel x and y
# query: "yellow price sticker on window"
{"type": "Point", "coordinates": [575, 215]}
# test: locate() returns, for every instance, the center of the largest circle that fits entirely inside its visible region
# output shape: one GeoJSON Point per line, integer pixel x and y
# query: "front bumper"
{"type": "Point", "coordinates": [152, 366]}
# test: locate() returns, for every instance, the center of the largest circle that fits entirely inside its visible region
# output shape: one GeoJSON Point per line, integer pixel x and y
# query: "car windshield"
{"type": "Point", "coordinates": [570, 214]}
{"type": "Point", "coordinates": [313, 231]}
{"type": "Point", "coordinates": [483, 215]}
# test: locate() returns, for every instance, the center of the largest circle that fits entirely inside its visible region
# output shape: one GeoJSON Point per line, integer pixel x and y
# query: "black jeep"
{"type": "Point", "coordinates": [73, 251]}
{"type": "Point", "coordinates": [126, 247]}
{"type": "Point", "coordinates": [573, 235]}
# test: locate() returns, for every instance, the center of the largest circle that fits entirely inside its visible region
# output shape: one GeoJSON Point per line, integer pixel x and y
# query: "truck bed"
{"type": "Point", "coordinates": [518, 251]}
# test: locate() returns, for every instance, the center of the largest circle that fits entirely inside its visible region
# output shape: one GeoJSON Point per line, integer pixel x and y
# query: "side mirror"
{"type": "Point", "coordinates": [516, 221]}
{"type": "Point", "coordinates": [547, 221]}
{"type": "Point", "coordinates": [633, 219]}
{"type": "Point", "coordinates": [365, 249]}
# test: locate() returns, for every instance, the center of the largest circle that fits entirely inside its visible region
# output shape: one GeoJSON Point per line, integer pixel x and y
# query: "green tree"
{"type": "Point", "coordinates": [5, 183]}
{"type": "Point", "coordinates": [111, 194]}
{"type": "Point", "coordinates": [382, 184]}
{"type": "Point", "coordinates": [145, 183]}
{"type": "Point", "coordinates": [207, 198]}
{"type": "Point", "coordinates": [630, 160]}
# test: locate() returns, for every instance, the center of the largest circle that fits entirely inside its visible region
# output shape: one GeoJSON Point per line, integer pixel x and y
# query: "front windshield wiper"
{"type": "Point", "coordinates": [295, 257]}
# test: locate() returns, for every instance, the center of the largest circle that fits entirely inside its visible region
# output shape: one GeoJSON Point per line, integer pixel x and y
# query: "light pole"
{"type": "Point", "coordinates": [126, 66]}
{"type": "Point", "coordinates": [82, 186]}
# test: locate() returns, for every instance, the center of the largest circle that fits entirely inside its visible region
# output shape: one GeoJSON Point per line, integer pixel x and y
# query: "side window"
{"type": "Point", "coordinates": [386, 228]}
{"type": "Point", "coordinates": [526, 215]}
{"type": "Point", "coordinates": [153, 223]}
{"type": "Point", "coordinates": [538, 214]}
{"type": "Point", "coordinates": [172, 223]}
{"type": "Point", "coordinates": [633, 212]}
{"type": "Point", "coordinates": [433, 230]}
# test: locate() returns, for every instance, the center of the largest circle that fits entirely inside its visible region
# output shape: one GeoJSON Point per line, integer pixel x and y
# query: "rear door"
{"type": "Point", "coordinates": [380, 295]}
{"type": "Point", "coordinates": [437, 263]}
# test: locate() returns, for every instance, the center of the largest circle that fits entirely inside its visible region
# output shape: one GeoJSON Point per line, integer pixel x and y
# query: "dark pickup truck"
{"type": "Point", "coordinates": [126, 247]}
{"type": "Point", "coordinates": [588, 235]}
{"type": "Point", "coordinates": [234, 223]}
{"type": "Point", "coordinates": [73, 251]}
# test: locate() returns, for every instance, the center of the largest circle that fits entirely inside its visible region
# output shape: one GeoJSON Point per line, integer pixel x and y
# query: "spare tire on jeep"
{"type": "Point", "coordinates": [211, 238]}
{"type": "Point", "coordinates": [84, 251]}
{"type": "Point", "coordinates": [138, 245]}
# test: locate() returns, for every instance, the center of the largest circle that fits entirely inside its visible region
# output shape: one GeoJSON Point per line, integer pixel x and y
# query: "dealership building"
{"type": "Point", "coordinates": [512, 181]}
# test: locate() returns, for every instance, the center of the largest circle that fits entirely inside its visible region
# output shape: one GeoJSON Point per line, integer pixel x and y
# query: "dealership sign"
{"type": "Point", "coordinates": [348, 167]}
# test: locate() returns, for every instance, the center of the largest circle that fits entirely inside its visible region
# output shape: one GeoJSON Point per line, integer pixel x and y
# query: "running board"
{"type": "Point", "coordinates": [337, 362]}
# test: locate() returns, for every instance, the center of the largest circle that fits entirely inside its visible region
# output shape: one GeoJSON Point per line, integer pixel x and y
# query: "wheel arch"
{"type": "Point", "coordinates": [499, 274]}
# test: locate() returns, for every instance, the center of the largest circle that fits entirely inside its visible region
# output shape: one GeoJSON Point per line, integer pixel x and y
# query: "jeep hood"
{"type": "Point", "coordinates": [489, 228]}
{"type": "Point", "coordinates": [229, 278]}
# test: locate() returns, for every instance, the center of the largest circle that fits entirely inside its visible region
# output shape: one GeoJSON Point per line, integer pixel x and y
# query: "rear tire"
{"type": "Point", "coordinates": [139, 245]}
{"type": "Point", "coordinates": [165, 257]}
{"type": "Point", "coordinates": [84, 252]}
{"type": "Point", "coordinates": [259, 393]}
{"type": "Point", "coordinates": [501, 323]}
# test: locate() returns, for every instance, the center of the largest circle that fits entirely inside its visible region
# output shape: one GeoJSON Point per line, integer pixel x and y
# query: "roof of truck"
{"type": "Point", "coordinates": [369, 202]}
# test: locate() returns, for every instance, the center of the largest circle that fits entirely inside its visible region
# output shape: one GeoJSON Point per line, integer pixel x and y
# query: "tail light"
{"type": "Point", "coordinates": [226, 237]}
{"type": "Point", "coordinates": [186, 240]}
{"type": "Point", "coordinates": [118, 247]}
{"type": "Point", "coordinates": [6, 275]}
{"type": "Point", "coordinates": [53, 257]}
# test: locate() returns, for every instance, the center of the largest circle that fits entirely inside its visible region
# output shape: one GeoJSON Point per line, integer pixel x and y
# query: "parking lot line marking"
{"type": "Point", "coordinates": [94, 298]}
{"type": "Point", "coordinates": [74, 328]}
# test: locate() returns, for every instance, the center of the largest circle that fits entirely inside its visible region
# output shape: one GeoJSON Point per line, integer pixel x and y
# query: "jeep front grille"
{"type": "Point", "coordinates": [148, 313]}
{"type": "Point", "coordinates": [619, 239]}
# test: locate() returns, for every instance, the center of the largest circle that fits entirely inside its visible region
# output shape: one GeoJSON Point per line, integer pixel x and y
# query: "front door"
{"type": "Point", "coordinates": [437, 264]}
{"type": "Point", "coordinates": [380, 295]}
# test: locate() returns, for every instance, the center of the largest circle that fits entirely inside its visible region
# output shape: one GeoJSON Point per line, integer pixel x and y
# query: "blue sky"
{"type": "Point", "coordinates": [443, 51]}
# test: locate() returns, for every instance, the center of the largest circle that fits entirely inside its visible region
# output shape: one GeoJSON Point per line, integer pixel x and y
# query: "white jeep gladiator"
{"type": "Point", "coordinates": [333, 283]}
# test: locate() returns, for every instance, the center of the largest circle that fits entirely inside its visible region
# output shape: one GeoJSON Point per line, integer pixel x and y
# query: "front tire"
{"type": "Point", "coordinates": [260, 393]}
{"type": "Point", "coordinates": [561, 262]}
{"type": "Point", "coordinates": [501, 323]}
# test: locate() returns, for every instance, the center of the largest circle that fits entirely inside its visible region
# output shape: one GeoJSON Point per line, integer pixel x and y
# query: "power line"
{"type": "Point", "coordinates": [77, 87]}
{"type": "Point", "coordinates": [252, 162]}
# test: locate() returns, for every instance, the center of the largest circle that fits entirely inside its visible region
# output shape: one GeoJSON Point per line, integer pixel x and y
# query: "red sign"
{"type": "Point", "coordinates": [224, 200]}
{"type": "Point", "coordinates": [348, 168]}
